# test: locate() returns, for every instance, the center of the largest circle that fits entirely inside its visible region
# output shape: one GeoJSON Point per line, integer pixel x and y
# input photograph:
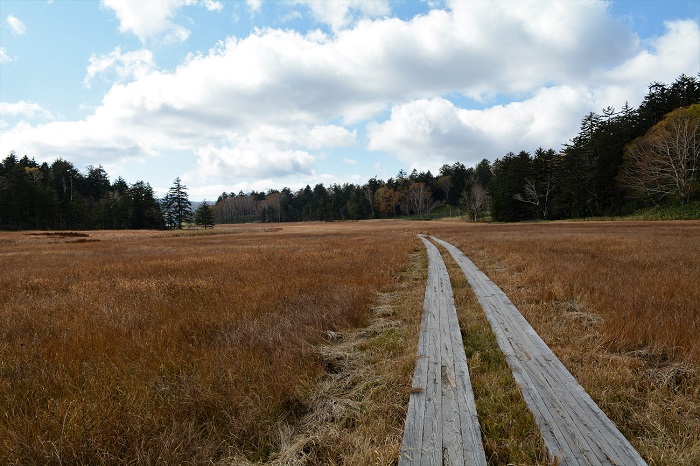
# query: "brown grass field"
{"type": "Point", "coordinates": [295, 343]}
{"type": "Point", "coordinates": [619, 303]}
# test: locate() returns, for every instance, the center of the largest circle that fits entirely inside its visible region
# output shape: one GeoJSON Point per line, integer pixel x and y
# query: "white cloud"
{"type": "Point", "coordinates": [270, 104]}
{"type": "Point", "coordinates": [246, 160]}
{"type": "Point", "coordinates": [212, 5]}
{"type": "Point", "coordinates": [16, 26]}
{"type": "Point", "coordinates": [254, 5]}
{"type": "Point", "coordinates": [24, 109]}
{"type": "Point", "coordinates": [331, 136]}
{"type": "Point", "coordinates": [269, 151]}
{"type": "Point", "coordinates": [153, 19]}
{"type": "Point", "coordinates": [427, 132]}
{"type": "Point", "coordinates": [150, 19]}
{"type": "Point", "coordinates": [120, 67]}
{"type": "Point", "coordinates": [664, 59]}
{"type": "Point", "coordinates": [338, 14]}
{"type": "Point", "coordinates": [4, 57]}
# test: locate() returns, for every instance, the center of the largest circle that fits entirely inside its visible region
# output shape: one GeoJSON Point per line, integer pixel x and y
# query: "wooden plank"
{"type": "Point", "coordinates": [472, 448]}
{"type": "Point", "coordinates": [586, 447]}
{"type": "Point", "coordinates": [413, 432]}
{"type": "Point", "coordinates": [573, 426]}
{"type": "Point", "coordinates": [441, 425]}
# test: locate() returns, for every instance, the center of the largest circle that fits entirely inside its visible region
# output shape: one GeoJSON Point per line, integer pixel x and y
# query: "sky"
{"type": "Point", "coordinates": [263, 94]}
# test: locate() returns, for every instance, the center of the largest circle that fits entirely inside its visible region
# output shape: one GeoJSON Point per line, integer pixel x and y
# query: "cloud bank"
{"type": "Point", "coordinates": [467, 82]}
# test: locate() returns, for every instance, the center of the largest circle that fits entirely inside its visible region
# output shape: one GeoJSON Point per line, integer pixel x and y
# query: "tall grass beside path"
{"type": "Point", "coordinates": [619, 304]}
{"type": "Point", "coordinates": [151, 349]}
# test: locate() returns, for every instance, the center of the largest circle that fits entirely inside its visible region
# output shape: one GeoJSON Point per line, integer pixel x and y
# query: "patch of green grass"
{"type": "Point", "coordinates": [391, 341]}
{"type": "Point", "coordinates": [689, 211]}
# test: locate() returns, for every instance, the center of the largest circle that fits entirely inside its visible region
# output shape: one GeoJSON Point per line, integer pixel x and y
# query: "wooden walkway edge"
{"type": "Point", "coordinates": [442, 427]}
{"type": "Point", "coordinates": [574, 428]}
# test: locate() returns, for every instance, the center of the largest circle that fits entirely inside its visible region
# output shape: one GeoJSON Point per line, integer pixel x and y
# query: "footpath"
{"type": "Point", "coordinates": [442, 425]}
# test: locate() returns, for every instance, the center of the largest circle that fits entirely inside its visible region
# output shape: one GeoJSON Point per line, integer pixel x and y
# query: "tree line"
{"type": "Point", "coordinates": [621, 160]}
{"type": "Point", "coordinates": [59, 197]}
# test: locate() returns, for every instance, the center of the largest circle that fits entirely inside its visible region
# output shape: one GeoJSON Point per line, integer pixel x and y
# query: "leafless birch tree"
{"type": "Point", "coordinates": [419, 199]}
{"type": "Point", "coordinates": [476, 200]}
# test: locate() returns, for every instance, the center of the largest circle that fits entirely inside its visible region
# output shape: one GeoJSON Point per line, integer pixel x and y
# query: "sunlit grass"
{"type": "Point", "coordinates": [619, 303]}
{"type": "Point", "coordinates": [169, 348]}
{"type": "Point", "coordinates": [158, 349]}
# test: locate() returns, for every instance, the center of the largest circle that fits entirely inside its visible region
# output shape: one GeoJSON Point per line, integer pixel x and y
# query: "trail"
{"type": "Point", "coordinates": [441, 426]}
{"type": "Point", "coordinates": [574, 428]}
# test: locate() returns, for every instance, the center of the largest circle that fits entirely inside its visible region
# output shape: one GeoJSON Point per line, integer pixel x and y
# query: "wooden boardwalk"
{"type": "Point", "coordinates": [574, 428]}
{"type": "Point", "coordinates": [441, 426]}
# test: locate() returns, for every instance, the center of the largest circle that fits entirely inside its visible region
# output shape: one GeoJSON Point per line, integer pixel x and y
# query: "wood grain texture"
{"type": "Point", "coordinates": [441, 425]}
{"type": "Point", "coordinates": [574, 428]}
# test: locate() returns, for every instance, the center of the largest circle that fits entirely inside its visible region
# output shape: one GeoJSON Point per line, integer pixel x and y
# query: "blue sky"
{"type": "Point", "coordinates": [259, 94]}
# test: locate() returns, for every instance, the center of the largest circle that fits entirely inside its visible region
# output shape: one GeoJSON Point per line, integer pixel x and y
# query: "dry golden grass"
{"type": "Point", "coordinates": [199, 346]}
{"type": "Point", "coordinates": [162, 348]}
{"type": "Point", "coordinates": [357, 411]}
{"type": "Point", "coordinates": [619, 303]}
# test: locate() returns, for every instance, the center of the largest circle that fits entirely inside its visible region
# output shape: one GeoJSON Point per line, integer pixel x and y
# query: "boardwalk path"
{"type": "Point", "coordinates": [441, 425]}
{"type": "Point", "coordinates": [574, 428]}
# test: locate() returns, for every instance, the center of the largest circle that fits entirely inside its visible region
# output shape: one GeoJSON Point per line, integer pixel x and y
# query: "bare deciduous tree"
{"type": "Point", "coordinates": [665, 161]}
{"type": "Point", "coordinates": [445, 183]}
{"type": "Point", "coordinates": [236, 207]}
{"type": "Point", "coordinates": [369, 195]}
{"type": "Point", "coordinates": [537, 194]}
{"type": "Point", "coordinates": [419, 199]}
{"type": "Point", "coordinates": [476, 200]}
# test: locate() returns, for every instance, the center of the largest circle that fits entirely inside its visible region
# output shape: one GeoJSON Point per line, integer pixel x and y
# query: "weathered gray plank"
{"type": "Point", "coordinates": [441, 425]}
{"type": "Point", "coordinates": [574, 428]}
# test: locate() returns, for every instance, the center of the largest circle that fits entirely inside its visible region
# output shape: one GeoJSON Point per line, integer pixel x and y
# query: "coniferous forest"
{"type": "Point", "coordinates": [620, 161]}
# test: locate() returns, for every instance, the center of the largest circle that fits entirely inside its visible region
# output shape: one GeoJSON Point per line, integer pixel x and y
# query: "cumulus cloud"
{"type": "Point", "coordinates": [153, 19]}
{"type": "Point", "coordinates": [244, 160]}
{"type": "Point", "coordinates": [330, 136]}
{"type": "Point", "coordinates": [341, 13]}
{"type": "Point", "coordinates": [119, 67]}
{"type": "Point", "coordinates": [664, 59]}
{"type": "Point", "coordinates": [150, 19]}
{"type": "Point", "coordinates": [4, 57]}
{"type": "Point", "coordinates": [425, 133]}
{"type": "Point", "coordinates": [270, 151]}
{"type": "Point", "coordinates": [88, 141]}
{"type": "Point", "coordinates": [267, 105]}
{"type": "Point", "coordinates": [213, 5]}
{"type": "Point", "coordinates": [430, 132]}
{"type": "Point", "coordinates": [16, 26]}
{"type": "Point", "coordinates": [254, 5]}
{"type": "Point", "coordinates": [24, 109]}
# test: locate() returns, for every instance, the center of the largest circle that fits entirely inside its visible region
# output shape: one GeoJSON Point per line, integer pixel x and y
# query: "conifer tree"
{"type": "Point", "coordinates": [178, 208]}
{"type": "Point", "coordinates": [204, 216]}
